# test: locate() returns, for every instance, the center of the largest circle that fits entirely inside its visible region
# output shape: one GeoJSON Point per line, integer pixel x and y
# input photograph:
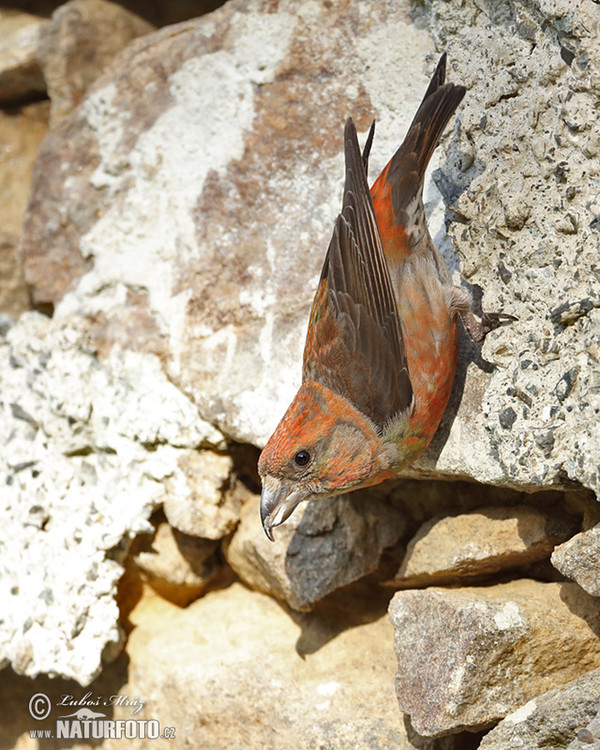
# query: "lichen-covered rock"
{"type": "Point", "coordinates": [75, 47]}
{"type": "Point", "coordinates": [566, 717]}
{"type": "Point", "coordinates": [469, 656]}
{"type": "Point", "coordinates": [86, 450]}
{"type": "Point", "coordinates": [579, 559]}
{"type": "Point", "coordinates": [450, 549]}
{"type": "Point", "coordinates": [325, 545]}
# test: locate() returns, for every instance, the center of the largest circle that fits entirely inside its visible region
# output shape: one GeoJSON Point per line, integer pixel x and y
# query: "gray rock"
{"type": "Point", "coordinates": [579, 559]}
{"type": "Point", "coordinates": [588, 738]}
{"type": "Point", "coordinates": [566, 717]}
{"type": "Point", "coordinates": [324, 546]}
{"type": "Point", "coordinates": [467, 657]}
{"type": "Point", "coordinates": [527, 207]}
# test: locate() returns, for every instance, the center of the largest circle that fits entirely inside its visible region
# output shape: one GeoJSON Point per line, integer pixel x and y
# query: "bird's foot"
{"type": "Point", "coordinates": [478, 329]}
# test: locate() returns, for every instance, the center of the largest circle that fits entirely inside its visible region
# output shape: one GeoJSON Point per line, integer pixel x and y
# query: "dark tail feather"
{"type": "Point", "coordinates": [367, 148]}
{"type": "Point", "coordinates": [438, 77]}
{"type": "Point", "coordinates": [408, 165]}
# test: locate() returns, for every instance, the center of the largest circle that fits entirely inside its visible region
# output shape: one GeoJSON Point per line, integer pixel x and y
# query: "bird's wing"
{"type": "Point", "coordinates": [354, 344]}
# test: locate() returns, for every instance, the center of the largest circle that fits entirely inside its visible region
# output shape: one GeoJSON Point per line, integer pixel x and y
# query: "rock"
{"type": "Point", "coordinates": [237, 651]}
{"type": "Point", "coordinates": [21, 131]}
{"type": "Point", "coordinates": [448, 549]}
{"type": "Point", "coordinates": [467, 657]}
{"type": "Point", "coordinates": [579, 559]}
{"type": "Point", "coordinates": [18, 728]}
{"type": "Point", "coordinates": [526, 228]}
{"type": "Point", "coordinates": [201, 501]}
{"type": "Point", "coordinates": [553, 720]}
{"type": "Point", "coordinates": [588, 737]}
{"type": "Point", "coordinates": [177, 566]}
{"type": "Point", "coordinates": [224, 299]}
{"type": "Point", "coordinates": [86, 451]}
{"type": "Point", "coordinates": [325, 545]}
{"type": "Point", "coordinates": [75, 47]}
{"type": "Point", "coordinates": [20, 74]}
{"type": "Point", "coordinates": [178, 189]}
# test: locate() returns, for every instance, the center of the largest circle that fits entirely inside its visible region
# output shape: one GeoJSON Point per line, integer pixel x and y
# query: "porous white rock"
{"type": "Point", "coordinates": [86, 447]}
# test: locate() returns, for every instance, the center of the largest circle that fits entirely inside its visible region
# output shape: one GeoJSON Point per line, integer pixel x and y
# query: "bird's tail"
{"type": "Point", "coordinates": [403, 176]}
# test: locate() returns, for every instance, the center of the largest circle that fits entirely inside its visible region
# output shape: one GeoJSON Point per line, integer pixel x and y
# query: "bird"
{"type": "Point", "coordinates": [382, 346]}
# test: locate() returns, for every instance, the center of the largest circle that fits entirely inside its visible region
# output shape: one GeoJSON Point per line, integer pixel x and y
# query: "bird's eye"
{"type": "Point", "coordinates": [302, 458]}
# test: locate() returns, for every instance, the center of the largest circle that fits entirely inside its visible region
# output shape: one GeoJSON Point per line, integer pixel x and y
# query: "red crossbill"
{"type": "Point", "coordinates": [382, 344]}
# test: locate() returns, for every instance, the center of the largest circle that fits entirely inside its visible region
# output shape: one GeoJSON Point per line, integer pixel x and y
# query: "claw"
{"type": "Point", "coordinates": [479, 329]}
{"type": "Point", "coordinates": [491, 321]}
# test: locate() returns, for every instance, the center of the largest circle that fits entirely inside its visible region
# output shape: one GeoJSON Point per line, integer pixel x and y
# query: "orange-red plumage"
{"type": "Point", "coordinates": [382, 343]}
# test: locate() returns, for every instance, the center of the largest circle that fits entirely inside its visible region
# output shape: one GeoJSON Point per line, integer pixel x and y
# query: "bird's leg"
{"type": "Point", "coordinates": [477, 328]}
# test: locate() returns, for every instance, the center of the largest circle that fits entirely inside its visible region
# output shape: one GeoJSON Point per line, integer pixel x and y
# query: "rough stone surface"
{"type": "Point", "coordinates": [237, 652]}
{"type": "Point", "coordinates": [579, 559]}
{"type": "Point", "coordinates": [192, 226]}
{"type": "Point", "coordinates": [183, 210]}
{"type": "Point", "coordinates": [190, 188]}
{"type": "Point", "coordinates": [447, 549]}
{"type": "Point", "coordinates": [21, 131]}
{"type": "Point", "coordinates": [86, 448]}
{"type": "Point", "coordinates": [201, 501]}
{"type": "Point", "coordinates": [469, 656]}
{"type": "Point", "coordinates": [20, 74]}
{"type": "Point", "coordinates": [177, 566]}
{"type": "Point", "coordinates": [588, 737]}
{"type": "Point", "coordinates": [522, 180]}
{"type": "Point", "coordinates": [261, 677]}
{"type": "Point", "coordinates": [75, 47]}
{"type": "Point", "coordinates": [566, 717]}
{"type": "Point", "coordinates": [324, 546]}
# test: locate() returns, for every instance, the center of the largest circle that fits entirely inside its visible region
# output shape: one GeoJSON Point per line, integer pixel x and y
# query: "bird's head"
{"type": "Point", "coordinates": [323, 446]}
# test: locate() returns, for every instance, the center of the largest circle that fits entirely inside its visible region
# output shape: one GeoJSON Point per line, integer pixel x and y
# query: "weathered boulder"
{"type": "Point", "coordinates": [579, 559]}
{"type": "Point", "coordinates": [20, 74]}
{"type": "Point", "coordinates": [469, 656]}
{"type": "Point", "coordinates": [75, 47]}
{"type": "Point", "coordinates": [324, 546]}
{"type": "Point", "coordinates": [565, 717]}
{"type": "Point", "coordinates": [452, 549]}
{"type": "Point", "coordinates": [87, 448]}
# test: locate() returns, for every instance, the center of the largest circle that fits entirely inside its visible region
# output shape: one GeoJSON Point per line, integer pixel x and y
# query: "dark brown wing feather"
{"type": "Point", "coordinates": [407, 167]}
{"type": "Point", "coordinates": [354, 344]}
